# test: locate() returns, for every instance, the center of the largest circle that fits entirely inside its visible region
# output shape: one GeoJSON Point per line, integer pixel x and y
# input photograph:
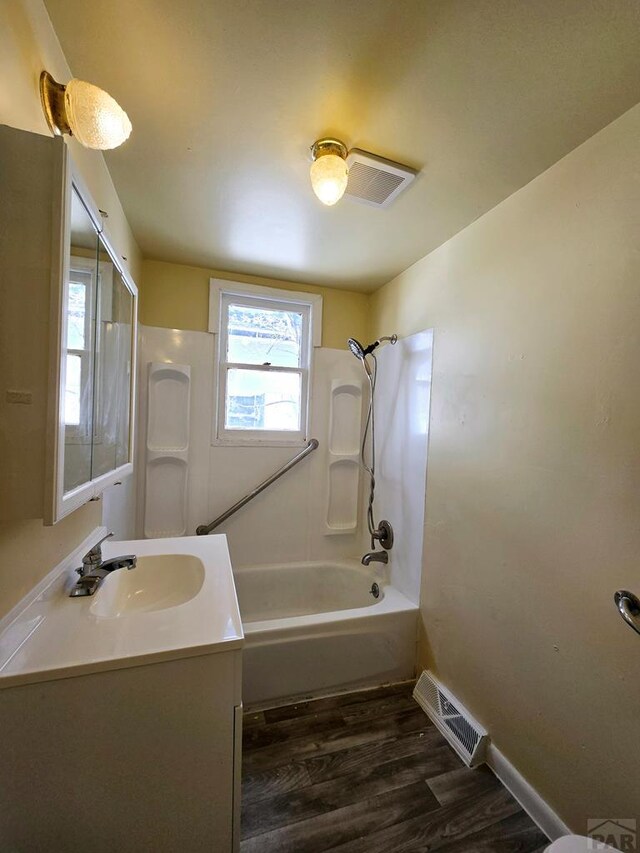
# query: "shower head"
{"type": "Point", "coordinates": [359, 351]}
{"type": "Point", "coordinates": [356, 347]}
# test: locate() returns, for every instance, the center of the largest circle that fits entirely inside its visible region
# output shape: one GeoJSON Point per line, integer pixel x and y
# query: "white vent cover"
{"type": "Point", "coordinates": [465, 734]}
{"type": "Point", "coordinates": [374, 180]}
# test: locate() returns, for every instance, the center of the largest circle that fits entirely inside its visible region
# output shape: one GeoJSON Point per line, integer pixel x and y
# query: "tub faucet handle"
{"type": "Point", "coordinates": [384, 535]}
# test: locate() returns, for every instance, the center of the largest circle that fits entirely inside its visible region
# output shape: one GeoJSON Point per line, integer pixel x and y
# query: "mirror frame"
{"type": "Point", "coordinates": [57, 503]}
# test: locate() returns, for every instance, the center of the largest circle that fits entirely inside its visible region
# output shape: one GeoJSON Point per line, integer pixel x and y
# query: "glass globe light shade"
{"type": "Point", "coordinates": [95, 119]}
{"type": "Point", "coordinates": [329, 176]}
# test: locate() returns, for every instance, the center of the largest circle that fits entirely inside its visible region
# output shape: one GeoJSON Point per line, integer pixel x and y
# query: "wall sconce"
{"type": "Point", "coordinates": [329, 171]}
{"type": "Point", "coordinates": [84, 111]}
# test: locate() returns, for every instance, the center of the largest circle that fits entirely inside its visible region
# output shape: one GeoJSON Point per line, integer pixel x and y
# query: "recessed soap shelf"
{"type": "Point", "coordinates": [345, 417]}
{"type": "Point", "coordinates": [343, 476]}
{"type": "Point", "coordinates": [167, 450]}
{"type": "Point", "coordinates": [168, 413]}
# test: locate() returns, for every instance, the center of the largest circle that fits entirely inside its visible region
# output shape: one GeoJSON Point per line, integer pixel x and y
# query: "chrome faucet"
{"type": "Point", "coordinates": [375, 557]}
{"type": "Point", "coordinates": [94, 569]}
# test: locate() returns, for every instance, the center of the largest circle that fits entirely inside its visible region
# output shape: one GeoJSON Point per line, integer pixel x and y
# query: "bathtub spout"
{"type": "Point", "coordinates": [375, 557]}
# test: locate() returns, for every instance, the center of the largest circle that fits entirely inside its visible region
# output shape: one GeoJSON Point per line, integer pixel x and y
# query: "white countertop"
{"type": "Point", "coordinates": [56, 636]}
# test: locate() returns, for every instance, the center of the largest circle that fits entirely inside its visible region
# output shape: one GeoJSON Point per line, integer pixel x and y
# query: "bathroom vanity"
{"type": "Point", "coordinates": [67, 336]}
{"type": "Point", "coordinates": [120, 712]}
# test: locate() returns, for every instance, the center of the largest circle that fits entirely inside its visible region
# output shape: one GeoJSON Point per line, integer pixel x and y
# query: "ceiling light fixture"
{"type": "Point", "coordinates": [84, 111]}
{"type": "Point", "coordinates": [329, 171]}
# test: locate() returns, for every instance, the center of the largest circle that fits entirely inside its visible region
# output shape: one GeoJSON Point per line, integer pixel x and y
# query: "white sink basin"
{"type": "Point", "coordinates": [179, 601]}
{"type": "Point", "coordinates": [157, 582]}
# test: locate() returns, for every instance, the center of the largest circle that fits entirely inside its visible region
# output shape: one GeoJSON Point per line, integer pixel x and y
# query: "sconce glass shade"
{"type": "Point", "coordinates": [329, 171]}
{"type": "Point", "coordinates": [95, 119]}
{"type": "Point", "coordinates": [84, 111]}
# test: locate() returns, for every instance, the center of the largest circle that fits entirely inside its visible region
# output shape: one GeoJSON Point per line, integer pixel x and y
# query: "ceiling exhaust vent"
{"type": "Point", "coordinates": [374, 180]}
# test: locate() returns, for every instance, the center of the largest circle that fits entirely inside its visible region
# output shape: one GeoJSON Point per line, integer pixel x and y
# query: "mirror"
{"type": "Point", "coordinates": [97, 356]}
{"type": "Point", "coordinates": [77, 370]}
{"type": "Point", "coordinates": [113, 346]}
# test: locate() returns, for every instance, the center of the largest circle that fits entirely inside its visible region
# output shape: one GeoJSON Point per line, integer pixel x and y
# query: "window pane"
{"type": "Point", "coordinates": [76, 315]}
{"type": "Point", "coordinates": [80, 306]}
{"type": "Point", "coordinates": [264, 336]}
{"type": "Point", "coordinates": [72, 390]}
{"type": "Point", "coordinates": [260, 399]}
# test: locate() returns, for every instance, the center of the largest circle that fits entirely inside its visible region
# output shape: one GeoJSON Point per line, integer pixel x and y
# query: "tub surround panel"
{"type": "Point", "coordinates": [287, 521]}
{"type": "Point", "coordinates": [403, 395]}
{"type": "Point", "coordinates": [533, 494]}
{"type": "Point", "coordinates": [330, 364]}
{"type": "Point", "coordinates": [284, 523]}
{"type": "Point", "coordinates": [195, 350]}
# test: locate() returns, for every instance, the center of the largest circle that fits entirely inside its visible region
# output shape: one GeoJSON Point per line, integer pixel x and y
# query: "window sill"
{"type": "Point", "coordinates": [256, 442]}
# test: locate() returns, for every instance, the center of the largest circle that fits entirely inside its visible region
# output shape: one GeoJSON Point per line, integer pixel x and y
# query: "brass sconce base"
{"type": "Point", "coordinates": [52, 99]}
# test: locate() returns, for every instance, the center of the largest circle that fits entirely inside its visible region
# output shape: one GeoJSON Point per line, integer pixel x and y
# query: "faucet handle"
{"type": "Point", "coordinates": [93, 557]}
{"type": "Point", "coordinates": [100, 541]}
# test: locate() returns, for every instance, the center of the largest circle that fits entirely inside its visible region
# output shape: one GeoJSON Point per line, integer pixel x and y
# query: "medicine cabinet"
{"type": "Point", "coordinates": [68, 325]}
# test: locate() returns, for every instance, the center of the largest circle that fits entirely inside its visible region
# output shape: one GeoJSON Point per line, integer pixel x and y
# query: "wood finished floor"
{"type": "Point", "coordinates": [367, 772]}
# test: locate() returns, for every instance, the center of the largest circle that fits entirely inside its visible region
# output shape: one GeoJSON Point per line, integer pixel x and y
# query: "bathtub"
{"type": "Point", "coordinates": [317, 628]}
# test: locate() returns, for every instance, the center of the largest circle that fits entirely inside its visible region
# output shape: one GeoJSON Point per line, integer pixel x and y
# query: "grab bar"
{"type": "Point", "coordinates": [203, 529]}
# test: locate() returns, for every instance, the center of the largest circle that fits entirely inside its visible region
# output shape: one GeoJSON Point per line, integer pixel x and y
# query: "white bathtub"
{"type": "Point", "coordinates": [315, 628]}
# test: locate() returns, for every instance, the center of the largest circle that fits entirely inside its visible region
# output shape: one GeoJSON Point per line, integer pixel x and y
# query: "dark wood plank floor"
{"type": "Point", "coordinates": [368, 772]}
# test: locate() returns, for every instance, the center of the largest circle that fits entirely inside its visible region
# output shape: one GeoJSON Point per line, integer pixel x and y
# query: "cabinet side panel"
{"type": "Point", "coordinates": [60, 240]}
{"type": "Point", "coordinates": [29, 168]}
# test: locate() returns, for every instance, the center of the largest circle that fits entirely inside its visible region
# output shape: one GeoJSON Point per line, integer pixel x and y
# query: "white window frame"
{"type": "Point", "coordinates": [97, 288]}
{"type": "Point", "coordinates": [221, 293]}
{"type": "Point", "coordinates": [84, 268]}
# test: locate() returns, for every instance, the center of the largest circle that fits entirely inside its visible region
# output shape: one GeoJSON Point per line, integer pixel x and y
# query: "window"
{"type": "Point", "coordinates": [264, 353]}
{"type": "Point", "coordinates": [79, 368]}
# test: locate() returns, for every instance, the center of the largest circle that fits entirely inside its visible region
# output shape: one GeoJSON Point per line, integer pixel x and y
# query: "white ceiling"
{"type": "Point", "coordinates": [226, 96]}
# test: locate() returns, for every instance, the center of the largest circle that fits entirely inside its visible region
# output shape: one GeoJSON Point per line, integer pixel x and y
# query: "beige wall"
{"type": "Point", "coordinates": [27, 45]}
{"type": "Point", "coordinates": [533, 496]}
{"type": "Point", "coordinates": [177, 297]}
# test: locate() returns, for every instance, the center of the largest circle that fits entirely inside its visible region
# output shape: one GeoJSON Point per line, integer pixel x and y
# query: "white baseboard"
{"type": "Point", "coordinates": [538, 810]}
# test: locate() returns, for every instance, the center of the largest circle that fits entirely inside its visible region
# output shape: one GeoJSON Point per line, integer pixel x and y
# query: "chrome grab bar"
{"type": "Point", "coordinates": [629, 606]}
{"type": "Point", "coordinates": [203, 529]}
